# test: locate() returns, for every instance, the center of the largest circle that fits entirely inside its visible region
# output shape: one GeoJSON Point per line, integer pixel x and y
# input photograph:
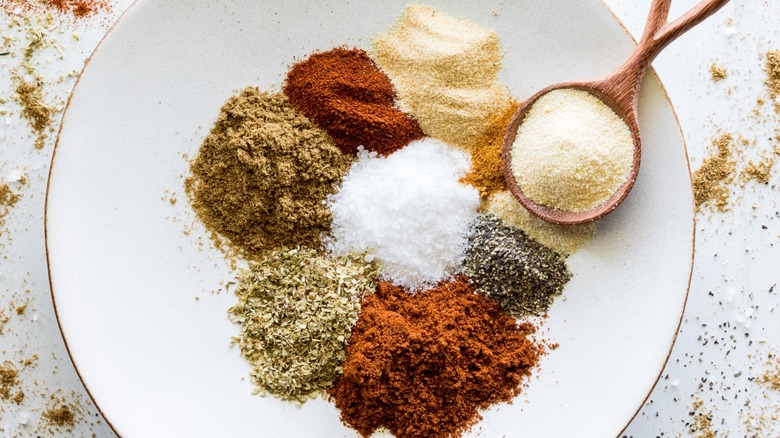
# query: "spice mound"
{"type": "Point", "coordinates": [572, 152]}
{"type": "Point", "coordinates": [263, 174]}
{"type": "Point", "coordinates": [563, 239]}
{"type": "Point", "coordinates": [408, 211]}
{"type": "Point", "coordinates": [522, 275]}
{"type": "Point", "coordinates": [445, 70]}
{"type": "Point", "coordinates": [487, 173]}
{"type": "Point", "coordinates": [296, 309]}
{"type": "Point", "coordinates": [423, 365]}
{"type": "Point", "coordinates": [345, 93]}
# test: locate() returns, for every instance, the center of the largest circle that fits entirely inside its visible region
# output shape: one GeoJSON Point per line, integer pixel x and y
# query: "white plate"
{"type": "Point", "coordinates": [125, 276]}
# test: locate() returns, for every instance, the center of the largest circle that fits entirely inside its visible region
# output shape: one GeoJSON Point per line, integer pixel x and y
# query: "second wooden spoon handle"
{"type": "Point", "coordinates": [659, 33]}
{"type": "Point", "coordinates": [624, 83]}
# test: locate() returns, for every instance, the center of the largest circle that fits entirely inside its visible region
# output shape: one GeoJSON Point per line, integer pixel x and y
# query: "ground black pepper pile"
{"type": "Point", "coordinates": [522, 275]}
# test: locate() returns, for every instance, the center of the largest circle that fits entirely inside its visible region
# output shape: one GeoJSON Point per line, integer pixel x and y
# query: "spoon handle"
{"type": "Point", "coordinates": [657, 35]}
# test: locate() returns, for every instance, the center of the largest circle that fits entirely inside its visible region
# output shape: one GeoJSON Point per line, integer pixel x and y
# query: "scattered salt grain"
{"type": "Point", "coordinates": [408, 211]}
{"type": "Point", "coordinates": [14, 175]}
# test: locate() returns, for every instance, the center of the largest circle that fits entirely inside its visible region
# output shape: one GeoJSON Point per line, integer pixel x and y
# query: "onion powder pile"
{"type": "Point", "coordinates": [572, 152]}
{"type": "Point", "coordinates": [408, 211]}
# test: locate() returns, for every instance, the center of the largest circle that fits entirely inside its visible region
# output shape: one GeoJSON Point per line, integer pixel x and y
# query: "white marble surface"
{"type": "Point", "coordinates": [731, 322]}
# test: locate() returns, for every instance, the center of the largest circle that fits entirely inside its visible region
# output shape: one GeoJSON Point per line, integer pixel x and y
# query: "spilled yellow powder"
{"type": "Point", "coordinates": [564, 239]}
{"type": "Point", "coordinates": [711, 180]}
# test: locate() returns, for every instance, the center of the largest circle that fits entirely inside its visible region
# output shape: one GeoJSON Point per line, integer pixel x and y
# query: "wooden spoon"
{"type": "Point", "coordinates": [620, 91]}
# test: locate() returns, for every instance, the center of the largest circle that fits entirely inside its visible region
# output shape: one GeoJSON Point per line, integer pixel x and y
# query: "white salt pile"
{"type": "Point", "coordinates": [408, 211]}
{"type": "Point", "coordinates": [572, 152]}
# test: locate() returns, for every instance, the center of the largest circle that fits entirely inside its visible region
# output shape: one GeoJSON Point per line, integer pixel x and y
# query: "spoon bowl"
{"type": "Point", "coordinates": [619, 91]}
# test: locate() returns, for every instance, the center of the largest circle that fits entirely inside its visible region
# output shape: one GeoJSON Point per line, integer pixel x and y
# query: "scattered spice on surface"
{"type": "Point", "coordinates": [423, 365]}
{"type": "Point", "coordinates": [487, 173]}
{"type": "Point", "coordinates": [760, 172]}
{"type": "Point", "coordinates": [445, 70]}
{"type": "Point", "coordinates": [345, 93]}
{"type": "Point", "coordinates": [572, 151]}
{"type": "Point", "coordinates": [76, 8]}
{"type": "Point", "coordinates": [563, 239]}
{"type": "Point", "coordinates": [772, 68]}
{"type": "Point", "coordinates": [9, 380]}
{"type": "Point", "coordinates": [771, 377]}
{"type": "Point", "coordinates": [296, 309]}
{"type": "Point", "coordinates": [263, 173]}
{"type": "Point", "coordinates": [7, 197]}
{"type": "Point", "coordinates": [711, 180]}
{"type": "Point", "coordinates": [34, 110]}
{"type": "Point", "coordinates": [61, 416]}
{"type": "Point", "coordinates": [407, 211]}
{"type": "Point", "coordinates": [7, 200]}
{"type": "Point", "coordinates": [522, 275]}
{"type": "Point", "coordinates": [701, 425]}
{"type": "Point", "coordinates": [718, 73]}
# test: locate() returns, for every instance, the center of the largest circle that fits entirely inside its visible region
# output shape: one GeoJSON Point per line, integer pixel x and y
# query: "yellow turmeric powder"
{"type": "Point", "coordinates": [486, 174]}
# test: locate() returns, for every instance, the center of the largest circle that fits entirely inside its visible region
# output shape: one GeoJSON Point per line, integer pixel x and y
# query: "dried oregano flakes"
{"type": "Point", "coordinates": [296, 309]}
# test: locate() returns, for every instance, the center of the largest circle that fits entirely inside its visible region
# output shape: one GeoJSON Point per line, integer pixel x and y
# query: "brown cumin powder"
{"type": "Point", "coordinates": [262, 175]}
{"type": "Point", "coordinates": [60, 416]}
{"type": "Point", "coordinates": [711, 180]}
{"type": "Point", "coordinates": [772, 68]}
{"type": "Point", "coordinates": [34, 110]}
{"type": "Point", "coordinates": [718, 73]}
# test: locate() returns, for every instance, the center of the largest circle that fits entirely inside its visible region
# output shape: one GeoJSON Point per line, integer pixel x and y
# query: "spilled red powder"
{"type": "Point", "coordinates": [76, 8]}
{"type": "Point", "coordinates": [423, 365]}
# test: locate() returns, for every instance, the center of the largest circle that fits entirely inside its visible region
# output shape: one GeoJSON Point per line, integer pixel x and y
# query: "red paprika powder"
{"type": "Point", "coordinates": [423, 365]}
{"type": "Point", "coordinates": [344, 92]}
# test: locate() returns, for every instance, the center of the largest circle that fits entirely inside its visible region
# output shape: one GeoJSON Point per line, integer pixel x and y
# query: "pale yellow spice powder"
{"type": "Point", "coordinates": [564, 239]}
{"type": "Point", "coordinates": [445, 71]}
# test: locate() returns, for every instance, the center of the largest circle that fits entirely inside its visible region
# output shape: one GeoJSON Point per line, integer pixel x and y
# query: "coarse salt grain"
{"type": "Point", "coordinates": [572, 152]}
{"type": "Point", "coordinates": [408, 211]}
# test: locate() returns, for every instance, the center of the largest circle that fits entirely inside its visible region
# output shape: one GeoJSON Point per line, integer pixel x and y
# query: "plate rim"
{"type": "Point", "coordinates": [132, 6]}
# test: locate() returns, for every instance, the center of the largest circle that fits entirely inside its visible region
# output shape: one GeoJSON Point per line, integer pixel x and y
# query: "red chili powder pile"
{"type": "Point", "coordinates": [345, 93]}
{"type": "Point", "coordinates": [423, 365]}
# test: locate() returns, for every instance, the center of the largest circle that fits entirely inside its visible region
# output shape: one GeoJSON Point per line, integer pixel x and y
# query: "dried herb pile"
{"type": "Point", "coordinates": [296, 309]}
